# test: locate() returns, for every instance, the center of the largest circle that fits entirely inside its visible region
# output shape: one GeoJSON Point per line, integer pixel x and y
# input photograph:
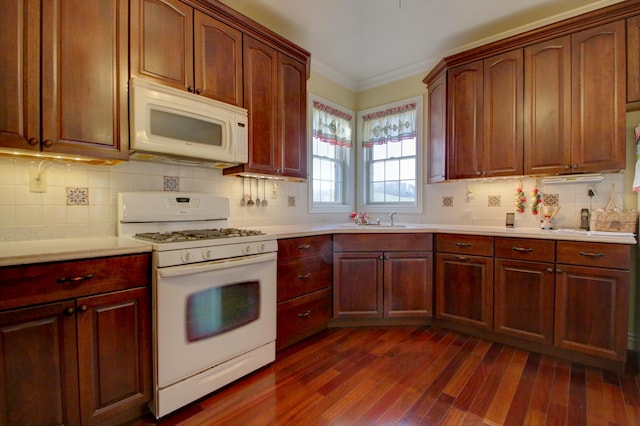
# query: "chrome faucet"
{"type": "Point", "coordinates": [391, 218]}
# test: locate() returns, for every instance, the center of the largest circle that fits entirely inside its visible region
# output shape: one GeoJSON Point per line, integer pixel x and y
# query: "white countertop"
{"type": "Point", "coordinates": [291, 231]}
{"type": "Point", "coordinates": [38, 251]}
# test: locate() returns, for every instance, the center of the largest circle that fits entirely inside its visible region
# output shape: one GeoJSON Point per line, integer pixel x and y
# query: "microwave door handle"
{"type": "Point", "coordinates": [217, 265]}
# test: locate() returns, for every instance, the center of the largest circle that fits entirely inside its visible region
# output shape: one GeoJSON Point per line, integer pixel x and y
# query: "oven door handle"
{"type": "Point", "coordinates": [216, 265]}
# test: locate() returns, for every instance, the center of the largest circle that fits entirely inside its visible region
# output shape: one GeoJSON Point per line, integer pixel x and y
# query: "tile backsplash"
{"type": "Point", "coordinates": [81, 200]}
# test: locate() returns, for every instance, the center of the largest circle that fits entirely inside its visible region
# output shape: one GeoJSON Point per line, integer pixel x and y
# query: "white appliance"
{"type": "Point", "coordinates": [174, 126]}
{"type": "Point", "coordinates": [214, 293]}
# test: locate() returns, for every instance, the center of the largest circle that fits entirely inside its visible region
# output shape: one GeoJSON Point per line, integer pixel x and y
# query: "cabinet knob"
{"type": "Point", "coordinates": [48, 143]}
{"type": "Point", "coordinates": [33, 141]}
{"type": "Point", "coordinates": [190, 89]}
{"type": "Point", "coordinates": [69, 311]}
{"type": "Point", "coordinates": [198, 91]}
{"type": "Point", "coordinates": [574, 166]}
{"type": "Point", "coordinates": [478, 173]}
{"type": "Point", "coordinates": [549, 269]}
{"type": "Point", "coordinates": [83, 308]}
{"type": "Point", "coordinates": [567, 167]}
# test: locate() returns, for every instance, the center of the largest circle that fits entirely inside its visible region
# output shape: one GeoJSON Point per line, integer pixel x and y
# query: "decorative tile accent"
{"type": "Point", "coordinates": [494, 201]}
{"type": "Point", "coordinates": [77, 196]}
{"type": "Point", "coordinates": [171, 183]}
{"type": "Point", "coordinates": [447, 201]}
{"type": "Point", "coordinates": [291, 200]}
{"type": "Point", "coordinates": [551, 199]}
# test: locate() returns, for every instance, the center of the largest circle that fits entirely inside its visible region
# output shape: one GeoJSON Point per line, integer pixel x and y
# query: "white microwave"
{"type": "Point", "coordinates": [174, 126]}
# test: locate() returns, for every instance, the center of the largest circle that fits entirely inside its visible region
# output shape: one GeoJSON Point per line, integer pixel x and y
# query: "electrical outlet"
{"type": "Point", "coordinates": [274, 191]}
{"type": "Point", "coordinates": [37, 181]}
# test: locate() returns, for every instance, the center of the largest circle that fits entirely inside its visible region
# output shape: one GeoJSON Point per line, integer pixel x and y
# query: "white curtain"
{"type": "Point", "coordinates": [331, 125]}
{"type": "Point", "coordinates": [391, 125]}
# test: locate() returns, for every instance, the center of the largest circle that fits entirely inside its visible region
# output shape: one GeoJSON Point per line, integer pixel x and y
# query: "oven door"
{"type": "Point", "coordinates": [208, 313]}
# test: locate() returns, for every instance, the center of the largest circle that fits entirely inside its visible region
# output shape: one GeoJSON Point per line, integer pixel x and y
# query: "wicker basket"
{"type": "Point", "coordinates": [612, 219]}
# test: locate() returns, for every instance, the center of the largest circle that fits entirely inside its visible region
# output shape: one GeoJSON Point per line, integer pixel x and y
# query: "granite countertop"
{"type": "Point", "coordinates": [292, 231]}
{"type": "Point", "coordinates": [38, 251]}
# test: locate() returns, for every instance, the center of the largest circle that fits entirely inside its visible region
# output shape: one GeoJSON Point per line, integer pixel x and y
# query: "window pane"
{"type": "Point", "coordinates": [378, 172]}
{"type": "Point", "coordinates": [393, 170]}
{"type": "Point", "coordinates": [394, 150]}
{"type": "Point", "coordinates": [392, 192]}
{"type": "Point", "coordinates": [409, 147]}
{"type": "Point", "coordinates": [378, 152]}
{"type": "Point", "coordinates": [377, 192]}
{"type": "Point", "coordinates": [408, 168]}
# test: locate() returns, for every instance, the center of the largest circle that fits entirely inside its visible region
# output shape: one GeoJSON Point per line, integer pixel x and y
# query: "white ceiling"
{"type": "Point", "coordinates": [365, 43]}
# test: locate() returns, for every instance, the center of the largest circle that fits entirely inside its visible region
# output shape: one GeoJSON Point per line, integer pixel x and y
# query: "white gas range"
{"type": "Point", "coordinates": [214, 293]}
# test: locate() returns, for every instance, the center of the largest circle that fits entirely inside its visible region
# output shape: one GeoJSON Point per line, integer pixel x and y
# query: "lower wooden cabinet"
{"type": "Point", "coordinates": [304, 288]}
{"type": "Point", "coordinates": [464, 289]}
{"type": "Point", "coordinates": [524, 299]}
{"type": "Point", "coordinates": [394, 283]}
{"type": "Point", "coordinates": [82, 360]}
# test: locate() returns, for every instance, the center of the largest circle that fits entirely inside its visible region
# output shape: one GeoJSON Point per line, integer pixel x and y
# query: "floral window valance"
{"type": "Point", "coordinates": [391, 125]}
{"type": "Point", "coordinates": [330, 125]}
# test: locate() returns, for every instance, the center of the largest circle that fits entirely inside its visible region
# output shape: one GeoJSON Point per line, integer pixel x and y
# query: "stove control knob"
{"type": "Point", "coordinates": [186, 256]}
{"type": "Point", "coordinates": [246, 250]}
{"type": "Point", "coordinates": [206, 254]}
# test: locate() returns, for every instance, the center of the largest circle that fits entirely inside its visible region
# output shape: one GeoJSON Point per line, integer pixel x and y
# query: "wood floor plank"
{"type": "Point", "coordinates": [414, 376]}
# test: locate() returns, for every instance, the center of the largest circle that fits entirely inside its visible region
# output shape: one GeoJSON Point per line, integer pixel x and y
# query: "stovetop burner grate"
{"type": "Point", "coordinates": [196, 234]}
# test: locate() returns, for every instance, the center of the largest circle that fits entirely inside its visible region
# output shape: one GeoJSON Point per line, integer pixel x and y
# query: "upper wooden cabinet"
{"type": "Point", "coordinates": [185, 48]}
{"type": "Point", "coordinates": [275, 93]}
{"type": "Point", "coordinates": [633, 59]}
{"type": "Point", "coordinates": [547, 106]}
{"type": "Point", "coordinates": [437, 129]}
{"type": "Point", "coordinates": [485, 116]}
{"type": "Point", "coordinates": [63, 89]}
{"type": "Point", "coordinates": [548, 101]}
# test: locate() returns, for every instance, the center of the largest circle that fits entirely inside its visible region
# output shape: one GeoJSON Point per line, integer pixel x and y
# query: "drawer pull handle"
{"type": "Point", "coordinates": [72, 280]}
{"type": "Point", "coordinates": [463, 258]}
{"type": "Point", "coordinates": [304, 314]}
{"type": "Point", "coordinates": [304, 276]}
{"type": "Point", "coordinates": [523, 249]}
{"type": "Point", "coordinates": [463, 244]}
{"type": "Point", "coordinates": [549, 269]}
{"type": "Point", "coordinates": [304, 246]}
{"type": "Point", "coordinates": [587, 254]}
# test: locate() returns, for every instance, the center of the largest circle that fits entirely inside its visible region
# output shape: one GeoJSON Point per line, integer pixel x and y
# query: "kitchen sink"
{"type": "Point", "coordinates": [371, 226]}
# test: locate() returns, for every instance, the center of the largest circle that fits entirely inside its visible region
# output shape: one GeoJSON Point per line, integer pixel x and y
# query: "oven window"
{"type": "Point", "coordinates": [175, 126]}
{"type": "Point", "coordinates": [218, 310]}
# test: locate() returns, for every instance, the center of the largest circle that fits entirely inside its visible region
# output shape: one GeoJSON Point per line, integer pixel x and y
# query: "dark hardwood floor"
{"type": "Point", "coordinates": [416, 376]}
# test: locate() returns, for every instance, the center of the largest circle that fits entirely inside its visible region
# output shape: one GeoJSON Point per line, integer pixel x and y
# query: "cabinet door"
{"type": "Point", "coordinates": [547, 106]}
{"type": "Point", "coordinates": [408, 284]}
{"type": "Point", "coordinates": [465, 108]}
{"type": "Point", "coordinates": [591, 310]}
{"type": "Point", "coordinates": [162, 41]}
{"type": "Point", "coordinates": [523, 299]}
{"type": "Point", "coordinates": [38, 366]}
{"type": "Point", "coordinates": [437, 129]}
{"type": "Point", "coordinates": [114, 354]}
{"type": "Point", "coordinates": [217, 59]}
{"type": "Point", "coordinates": [464, 289]}
{"type": "Point", "coordinates": [20, 74]}
{"type": "Point", "coordinates": [633, 59]}
{"type": "Point", "coordinates": [291, 146]}
{"type": "Point", "coordinates": [85, 47]}
{"type": "Point", "coordinates": [260, 98]}
{"type": "Point", "coordinates": [598, 98]}
{"type": "Point", "coordinates": [357, 285]}
{"type": "Point", "coordinates": [502, 144]}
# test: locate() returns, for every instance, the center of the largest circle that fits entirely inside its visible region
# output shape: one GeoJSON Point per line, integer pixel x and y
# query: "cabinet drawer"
{"type": "Point", "coordinates": [303, 316]}
{"type": "Point", "coordinates": [295, 248]}
{"type": "Point", "coordinates": [382, 242]}
{"type": "Point", "coordinates": [526, 249]}
{"type": "Point", "coordinates": [465, 244]}
{"type": "Point", "coordinates": [615, 256]}
{"type": "Point", "coordinates": [41, 283]}
{"type": "Point", "coordinates": [301, 276]}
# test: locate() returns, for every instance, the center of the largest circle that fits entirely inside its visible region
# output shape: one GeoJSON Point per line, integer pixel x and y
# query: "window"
{"type": "Point", "coordinates": [332, 157]}
{"type": "Point", "coordinates": [390, 167]}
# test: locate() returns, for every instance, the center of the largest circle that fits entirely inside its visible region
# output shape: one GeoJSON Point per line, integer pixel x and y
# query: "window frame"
{"type": "Point", "coordinates": [363, 183]}
{"type": "Point", "coordinates": [349, 173]}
